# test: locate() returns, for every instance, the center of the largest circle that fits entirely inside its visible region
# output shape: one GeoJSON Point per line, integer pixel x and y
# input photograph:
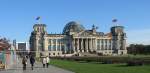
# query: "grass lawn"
{"type": "Point", "coordinates": [99, 68]}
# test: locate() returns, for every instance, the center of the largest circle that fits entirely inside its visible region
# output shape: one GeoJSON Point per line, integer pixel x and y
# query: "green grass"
{"type": "Point", "coordinates": [99, 68]}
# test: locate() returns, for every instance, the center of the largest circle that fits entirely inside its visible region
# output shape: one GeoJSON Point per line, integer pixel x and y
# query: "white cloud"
{"type": "Point", "coordinates": [141, 36]}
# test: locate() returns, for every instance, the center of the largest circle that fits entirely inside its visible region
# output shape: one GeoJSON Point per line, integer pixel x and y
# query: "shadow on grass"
{"type": "Point", "coordinates": [89, 62]}
{"type": "Point", "coordinates": [115, 65]}
{"type": "Point", "coordinates": [122, 65]}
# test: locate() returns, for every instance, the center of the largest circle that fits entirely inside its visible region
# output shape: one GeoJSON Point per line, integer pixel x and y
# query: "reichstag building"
{"type": "Point", "coordinates": [75, 40]}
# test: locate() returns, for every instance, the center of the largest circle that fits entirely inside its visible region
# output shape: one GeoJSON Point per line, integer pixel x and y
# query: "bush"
{"type": "Point", "coordinates": [135, 63]}
{"type": "Point", "coordinates": [130, 61]}
{"type": "Point", "coordinates": [107, 62]}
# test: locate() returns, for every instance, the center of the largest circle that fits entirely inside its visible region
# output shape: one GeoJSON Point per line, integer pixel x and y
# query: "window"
{"type": "Point", "coordinates": [98, 47]}
{"type": "Point", "coordinates": [98, 42]}
{"type": "Point", "coordinates": [102, 47]}
{"type": "Point", "coordinates": [58, 47]}
{"type": "Point", "coordinates": [54, 47]}
{"type": "Point", "coordinates": [49, 48]}
{"type": "Point", "coordinates": [54, 41]}
{"type": "Point", "coordinates": [49, 41]}
{"type": "Point", "coordinates": [106, 42]}
{"type": "Point", "coordinates": [102, 41]}
{"type": "Point", "coordinates": [62, 48]}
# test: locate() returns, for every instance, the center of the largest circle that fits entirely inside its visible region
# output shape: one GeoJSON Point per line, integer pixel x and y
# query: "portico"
{"type": "Point", "coordinates": [84, 44]}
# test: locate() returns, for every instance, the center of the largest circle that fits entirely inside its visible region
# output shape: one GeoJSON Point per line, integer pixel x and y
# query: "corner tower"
{"type": "Point", "coordinates": [118, 39]}
{"type": "Point", "coordinates": [38, 40]}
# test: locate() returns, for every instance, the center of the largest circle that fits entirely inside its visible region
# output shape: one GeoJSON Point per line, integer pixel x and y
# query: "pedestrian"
{"type": "Point", "coordinates": [44, 62]}
{"type": "Point", "coordinates": [24, 62]}
{"type": "Point", "coordinates": [47, 61]}
{"type": "Point", "coordinates": [32, 61]}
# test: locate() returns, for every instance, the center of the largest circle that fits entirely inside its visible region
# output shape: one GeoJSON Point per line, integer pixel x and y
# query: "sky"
{"type": "Point", "coordinates": [17, 17]}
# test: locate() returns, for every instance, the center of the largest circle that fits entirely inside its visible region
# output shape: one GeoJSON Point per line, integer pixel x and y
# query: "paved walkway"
{"type": "Point", "coordinates": [37, 69]}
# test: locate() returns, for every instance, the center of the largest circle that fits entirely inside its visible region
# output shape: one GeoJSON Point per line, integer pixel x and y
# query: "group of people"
{"type": "Point", "coordinates": [45, 61]}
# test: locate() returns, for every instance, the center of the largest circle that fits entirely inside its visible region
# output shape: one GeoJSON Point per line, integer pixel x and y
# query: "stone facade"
{"type": "Point", "coordinates": [76, 39]}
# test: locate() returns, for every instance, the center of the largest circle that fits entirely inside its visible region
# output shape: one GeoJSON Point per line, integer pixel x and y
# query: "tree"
{"type": "Point", "coordinates": [138, 49]}
{"type": "Point", "coordinates": [4, 43]}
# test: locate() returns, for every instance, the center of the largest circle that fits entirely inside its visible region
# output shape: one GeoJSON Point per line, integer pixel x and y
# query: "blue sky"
{"type": "Point", "coordinates": [17, 17]}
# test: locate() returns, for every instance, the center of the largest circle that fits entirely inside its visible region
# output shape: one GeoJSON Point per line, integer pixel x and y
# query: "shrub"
{"type": "Point", "coordinates": [135, 63]}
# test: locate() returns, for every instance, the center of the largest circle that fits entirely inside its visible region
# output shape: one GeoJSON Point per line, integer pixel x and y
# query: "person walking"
{"type": "Point", "coordinates": [24, 62]}
{"type": "Point", "coordinates": [32, 61]}
{"type": "Point", "coordinates": [47, 61]}
{"type": "Point", "coordinates": [44, 62]}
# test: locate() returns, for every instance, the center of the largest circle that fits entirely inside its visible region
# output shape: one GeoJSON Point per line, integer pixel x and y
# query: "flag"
{"type": "Point", "coordinates": [38, 18]}
{"type": "Point", "coordinates": [114, 20]}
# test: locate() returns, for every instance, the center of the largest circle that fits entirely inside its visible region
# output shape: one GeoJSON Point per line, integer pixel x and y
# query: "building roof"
{"type": "Point", "coordinates": [73, 27]}
{"type": "Point", "coordinates": [55, 35]}
{"type": "Point", "coordinates": [108, 34]}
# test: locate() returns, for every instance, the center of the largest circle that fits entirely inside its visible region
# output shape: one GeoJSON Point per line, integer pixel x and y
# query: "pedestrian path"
{"type": "Point", "coordinates": [38, 68]}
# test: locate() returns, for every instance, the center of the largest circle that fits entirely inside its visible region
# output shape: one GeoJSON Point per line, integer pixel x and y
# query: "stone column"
{"type": "Point", "coordinates": [95, 44]}
{"type": "Point", "coordinates": [118, 44]}
{"type": "Point", "coordinates": [111, 43]}
{"type": "Point", "coordinates": [108, 44]}
{"type": "Point", "coordinates": [90, 44]}
{"type": "Point", "coordinates": [65, 46]}
{"type": "Point", "coordinates": [93, 41]}
{"type": "Point", "coordinates": [60, 44]}
{"type": "Point", "coordinates": [37, 47]}
{"type": "Point", "coordinates": [86, 45]}
{"type": "Point", "coordinates": [78, 45]}
{"type": "Point", "coordinates": [81, 44]}
{"type": "Point", "coordinates": [99, 44]}
{"type": "Point", "coordinates": [104, 44]}
{"type": "Point", "coordinates": [124, 46]}
{"type": "Point", "coordinates": [74, 45]}
{"type": "Point", "coordinates": [56, 44]}
{"type": "Point", "coordinates": [36, 44]}
{"type": "Point", "coordinates": [45, 46]}
{"type": "Point", "coordinates": [51, 45]}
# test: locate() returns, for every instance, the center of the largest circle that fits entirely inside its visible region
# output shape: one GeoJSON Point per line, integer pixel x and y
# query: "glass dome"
{"type": "Point", "coordinates": [73, 27]}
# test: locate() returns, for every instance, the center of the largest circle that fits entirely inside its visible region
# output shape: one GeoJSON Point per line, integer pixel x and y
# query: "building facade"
{"type": "Point", "coordinates": [75, 39]}
{"type": "Point", "coordinates": [22, 48]}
